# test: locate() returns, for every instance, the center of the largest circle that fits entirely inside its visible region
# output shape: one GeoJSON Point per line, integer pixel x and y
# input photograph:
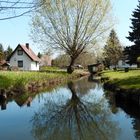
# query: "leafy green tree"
{"type": "Point", "coordinates": [39, 54]}
{"type": "Point", "coordinates": [71, 25]}
{"type": "Point", "coordinates": [1, 48]}
{"type": "Point", "coordinates": [1, 52]}
{"type": "Point", "coordinates": [8, 52]}
{"type": "Point", "coordinates": [112, 50]}
{"type": "Point", "coordinates": [133, 52]}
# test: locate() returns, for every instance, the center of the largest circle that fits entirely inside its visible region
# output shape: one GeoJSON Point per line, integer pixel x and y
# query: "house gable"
{"type": "Point", "coordinates": [27, 51]}
{"type": "Point", "coordinates": [24, 58]}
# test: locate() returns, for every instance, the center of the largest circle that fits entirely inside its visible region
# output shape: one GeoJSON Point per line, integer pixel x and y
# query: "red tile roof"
{"type": "Point", "coordinates": [28, 51]}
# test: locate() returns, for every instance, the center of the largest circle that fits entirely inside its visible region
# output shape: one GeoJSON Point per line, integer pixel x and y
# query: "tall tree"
{"type": "Point", "coordinates": [1, 52]}
{"type": "Point", "coordinates": [1, 48]}
{"type": "Point", "coordinates": [70, 25]}
{"type": "Point", "coordinates": [8, 52]}
{"type": "Point", "coordinates": [133, 52]}
{"type": "Point", "coordinates": [112, 50]}
{"type": "Point", "coordinates": [39, 54]}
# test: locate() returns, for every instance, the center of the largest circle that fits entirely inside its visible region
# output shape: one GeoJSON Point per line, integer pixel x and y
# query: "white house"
{"type": "Point", "coordinates": [122, 64]}
{"type": "Point", "coordinates": [24, 58]}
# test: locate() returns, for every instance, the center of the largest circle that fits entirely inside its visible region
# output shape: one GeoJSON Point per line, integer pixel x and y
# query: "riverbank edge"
{"type": "Point", "coordinates": [35, 87]}
{"type": "Point", "coordinates": [131, 95]}
{"type": "Point", "coordinates": [109, 85]}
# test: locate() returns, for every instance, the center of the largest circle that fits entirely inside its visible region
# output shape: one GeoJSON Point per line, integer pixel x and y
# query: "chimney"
{"type": "Point", "coordinates": [27, 46]}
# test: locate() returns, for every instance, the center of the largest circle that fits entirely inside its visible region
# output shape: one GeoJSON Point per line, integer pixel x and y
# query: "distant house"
{"type": "Point", "coordinates": [45, 60]}
{"type": "Point", "coordinates": [4, 65]}
{"type": "Point", "coordinates": [123, 64]}
{"type": "Point", "coordinates": [24, 58]}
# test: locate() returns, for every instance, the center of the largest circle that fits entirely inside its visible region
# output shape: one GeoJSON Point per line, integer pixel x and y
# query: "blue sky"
{"type": "Point", "coordinates": [123, 12]}
{"type": "Point", "coordinates": [15, 31]}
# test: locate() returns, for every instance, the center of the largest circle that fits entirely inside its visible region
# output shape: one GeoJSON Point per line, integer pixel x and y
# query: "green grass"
{"type": "Point", "coordinates": [51, 69]}
{"type": "Point", "coordinates": [123, 79]}
{"type": "Point", "coordinates": [9, 79]}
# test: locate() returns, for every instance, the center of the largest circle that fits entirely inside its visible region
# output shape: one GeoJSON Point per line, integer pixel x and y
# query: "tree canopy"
{"type": "Point", "coordinates": [4, 54]}
{"type": "Point", "coordinates": [112, 50]}
{"type": "Point", "coordinates": [133, 52]}
{"type": "Point", "coordinates": [71, 26]}
{"type": "Point", "coordinates": [1, 52]}
{"type": "Point", "coordinates": [8, 52]}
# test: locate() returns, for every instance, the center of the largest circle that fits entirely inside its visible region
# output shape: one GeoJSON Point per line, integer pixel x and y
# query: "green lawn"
{"type": "Point", "coordinates": [123, 79]}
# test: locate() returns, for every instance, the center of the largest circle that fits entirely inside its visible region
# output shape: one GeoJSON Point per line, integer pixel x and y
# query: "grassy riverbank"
{"type": "Point", "coordinates": [126, 80]}
{"type": "Point", "coordinates": [29, 81]}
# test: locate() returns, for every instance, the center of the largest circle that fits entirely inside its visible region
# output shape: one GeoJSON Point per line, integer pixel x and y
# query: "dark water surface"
{"type": "Point", "coordinates": [80, 110]}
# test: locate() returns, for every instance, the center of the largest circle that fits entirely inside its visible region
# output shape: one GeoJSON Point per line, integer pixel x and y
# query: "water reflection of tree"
{"type": "Point", "coordinates": [82, 86]}
{"type": "Point", "coordinates": [127, 104]}
{"type": "Point", "coordinates": [136, 126]}
{"type": "Point", "coordinates": [112, 101]}
{"type": "Point", "coordinates": [76, 119]}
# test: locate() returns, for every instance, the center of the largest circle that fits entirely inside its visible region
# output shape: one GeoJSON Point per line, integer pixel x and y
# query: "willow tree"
{"type": "Point", "coordinates": [71, 26]}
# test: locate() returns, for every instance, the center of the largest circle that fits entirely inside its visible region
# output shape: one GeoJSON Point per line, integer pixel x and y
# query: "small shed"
{"type": "Point", "coordinates": [94, 68]}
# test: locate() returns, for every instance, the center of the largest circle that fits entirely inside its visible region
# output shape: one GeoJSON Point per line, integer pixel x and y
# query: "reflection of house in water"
{"type": "Point", "coordinates": [19, 100]}
{"type": "Point", "coordinates": [22, 102]}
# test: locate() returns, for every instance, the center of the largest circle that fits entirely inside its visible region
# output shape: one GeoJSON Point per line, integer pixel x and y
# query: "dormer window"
{"type": "Point", "coordinates": [20, 52]}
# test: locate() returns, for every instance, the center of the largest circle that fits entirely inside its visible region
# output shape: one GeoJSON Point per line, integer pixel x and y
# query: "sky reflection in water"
{"type": "Point", "coordinates": [80, 110]}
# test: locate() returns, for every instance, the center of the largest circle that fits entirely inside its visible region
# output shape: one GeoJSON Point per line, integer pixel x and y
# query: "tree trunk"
{"type": "Point", "coordinates": [72, 88]}
{"type": "Point", "coordinates": [70, 68]}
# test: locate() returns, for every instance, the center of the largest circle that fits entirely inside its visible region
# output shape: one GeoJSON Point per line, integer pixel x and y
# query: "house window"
{"type": "Point", "coordinates": [20, 64]}
{"type": "Point", "coordinates": [20, 52]}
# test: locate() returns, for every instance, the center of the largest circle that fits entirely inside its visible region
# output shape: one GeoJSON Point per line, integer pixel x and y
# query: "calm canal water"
{"type": "Point", "coordinates": [80, 110]}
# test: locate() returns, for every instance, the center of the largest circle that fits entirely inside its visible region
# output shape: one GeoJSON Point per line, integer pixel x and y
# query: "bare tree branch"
{"type": "Point", "coordinates": [12, 9]}
{"type": "Point", "coordinates": [71, 25]}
